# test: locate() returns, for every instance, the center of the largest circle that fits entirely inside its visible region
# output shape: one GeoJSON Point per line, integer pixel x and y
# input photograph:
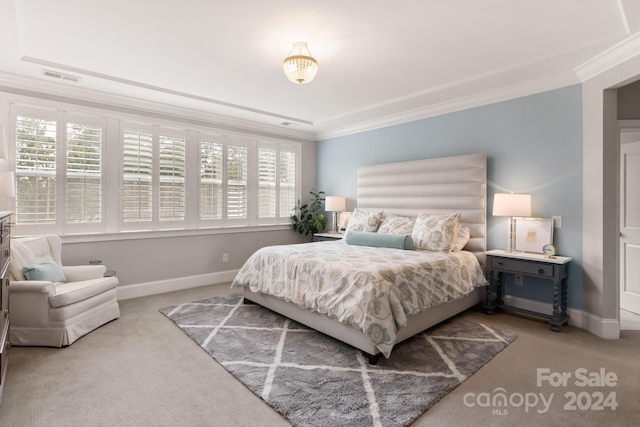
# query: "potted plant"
{"type": "Point", "coordinates": [307, 219]}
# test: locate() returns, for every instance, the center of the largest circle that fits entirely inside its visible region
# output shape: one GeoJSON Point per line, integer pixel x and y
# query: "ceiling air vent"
{"type": "Point", "coordinates": [61, 76]}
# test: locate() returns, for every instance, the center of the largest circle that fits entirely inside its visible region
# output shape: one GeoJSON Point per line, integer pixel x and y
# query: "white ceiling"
{"type": "Point", "coordinates": [380, 62]}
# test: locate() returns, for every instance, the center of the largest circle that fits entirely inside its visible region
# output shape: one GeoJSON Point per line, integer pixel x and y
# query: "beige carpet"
{"type": "Point", "coordinates": [141, 370]}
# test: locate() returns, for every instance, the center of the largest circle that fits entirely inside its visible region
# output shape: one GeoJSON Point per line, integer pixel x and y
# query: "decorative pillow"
{"type": "Point", "coordinates": [45, 271]}
{"type": "Point", "coordinates": [380, 240]}
{"type": "Point", "coordinates": [435, 232]}
{"type": "Point", "coordinates": [394, 224]}
{"type": "Point", "coordinates": [461, 239]}
{"type": "Point", "coordinates": [362, 220]}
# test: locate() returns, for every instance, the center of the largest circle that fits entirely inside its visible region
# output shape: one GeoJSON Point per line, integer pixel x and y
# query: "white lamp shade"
{"type": "Point", "coordinates": [335, 204]}
{"type": "Point", "coordinates": [509, 204]}
{"type": "Point", "coordinates": [7, 184]}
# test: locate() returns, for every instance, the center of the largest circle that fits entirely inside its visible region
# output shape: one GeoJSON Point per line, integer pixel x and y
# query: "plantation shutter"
{"type": "Point", "coordinates": [172, 178]}
{"type": "Point", "coordinates": [36, 183]}
{"type": "Point", "coordinates": [287, 181]}
{"type": "Point", "coordinates": [236, 182]}
{"type": "Point", "coordinates": [211, 180]}
{"type": "Point", "coordinates": [137, 174]}
{"type": "Point", "coordinates": [267, 183]}
{"type": "Point", "coordinates": [84, 174]}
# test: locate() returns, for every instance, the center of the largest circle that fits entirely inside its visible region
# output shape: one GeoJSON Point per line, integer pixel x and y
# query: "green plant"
{"type": "Point", "coordinates": [307, 219]}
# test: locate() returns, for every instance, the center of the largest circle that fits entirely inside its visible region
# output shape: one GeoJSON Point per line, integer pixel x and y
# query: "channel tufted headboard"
{"type": "Point", "coordinates": [440, 185]}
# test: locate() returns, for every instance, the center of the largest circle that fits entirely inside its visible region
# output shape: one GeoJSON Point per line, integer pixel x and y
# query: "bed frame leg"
{"type": "Point", "coordinates": [373, 359]}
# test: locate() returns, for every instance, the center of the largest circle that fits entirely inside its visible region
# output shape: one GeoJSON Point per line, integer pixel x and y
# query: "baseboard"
{"type": "Point", "coordinates": [575, 315]}
{"type": "Point", "coordinates": [603, 328]}
{"type": "Point", "coordinates": [170, 285]}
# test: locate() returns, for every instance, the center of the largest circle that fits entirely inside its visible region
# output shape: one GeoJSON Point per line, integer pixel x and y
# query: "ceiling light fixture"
{"type": "Point", "coordinates": [300, 67]}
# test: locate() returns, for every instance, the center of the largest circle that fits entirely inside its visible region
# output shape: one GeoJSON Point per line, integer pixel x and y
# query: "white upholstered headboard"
{"type": "Point", "coordinates": [441, 185]}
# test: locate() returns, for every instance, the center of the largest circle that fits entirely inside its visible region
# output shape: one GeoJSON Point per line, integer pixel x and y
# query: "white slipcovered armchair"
{"type": "Point", "coordinates": [59, 304]}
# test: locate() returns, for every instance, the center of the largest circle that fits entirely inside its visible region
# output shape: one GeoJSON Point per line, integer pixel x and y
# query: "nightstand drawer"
{"type": "Point", "coordinates": [523, 267]}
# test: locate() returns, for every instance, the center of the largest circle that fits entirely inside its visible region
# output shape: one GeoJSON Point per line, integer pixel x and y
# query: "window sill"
{"type": "Point", "coordinates": [162, 234]}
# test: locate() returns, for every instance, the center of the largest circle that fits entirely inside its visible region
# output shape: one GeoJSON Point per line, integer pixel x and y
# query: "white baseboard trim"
{"type": "Point", "coordinates": [603, 328]}
{"type": "Point", "coordinates": [170, 285]}
{"type": "Point", "coordinates": [575, 316]}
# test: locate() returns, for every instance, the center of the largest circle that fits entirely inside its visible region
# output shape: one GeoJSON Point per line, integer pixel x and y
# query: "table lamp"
{"type": "Point", "coordinates": [335, 204]}
{"type": "Point", "coordinates": [512, 205]}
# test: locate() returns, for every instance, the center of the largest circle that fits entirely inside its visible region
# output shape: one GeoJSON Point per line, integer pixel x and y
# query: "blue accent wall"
{"type": "Point", "coordinates": [533, 145]}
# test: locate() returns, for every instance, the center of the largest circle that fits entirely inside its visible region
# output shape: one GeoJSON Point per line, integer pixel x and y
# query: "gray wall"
{"type": "Point", "coordinates": [160, 258]}
{"type": "Point", "coordinates": [153, 259]}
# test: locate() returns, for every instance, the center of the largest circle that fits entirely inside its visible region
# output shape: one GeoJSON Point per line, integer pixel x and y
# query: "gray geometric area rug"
{"type": "Point", "coordinates": [314, 380]}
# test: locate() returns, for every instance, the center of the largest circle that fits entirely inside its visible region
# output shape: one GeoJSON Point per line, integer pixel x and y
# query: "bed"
{"type": "Point", "coordinates": [375, 297]}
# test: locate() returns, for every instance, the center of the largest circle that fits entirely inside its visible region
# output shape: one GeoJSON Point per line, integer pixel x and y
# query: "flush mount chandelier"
{"type": "Point", "coordinates": [300, 67]}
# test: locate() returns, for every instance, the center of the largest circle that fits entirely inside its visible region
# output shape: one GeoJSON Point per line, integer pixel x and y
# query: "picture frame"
{"type": "Point", "coordinates": [533, 233]}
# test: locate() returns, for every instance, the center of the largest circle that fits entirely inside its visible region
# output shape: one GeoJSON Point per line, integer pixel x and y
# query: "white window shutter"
{"type": "Point", "coordinates": [172, 178]}
{"type": "Point", "coordinates": [137, 174]}
{"type": "Point", "coordinates": [267, 172]}
{"type": "Point", "coordinates": [84, 174]}
{"type": "Point", "coordinates": [287, 181]}
{"type": "Point", "coordinates": [237, 160]}
{"type": "Point", "coordinates": [211, 179]}
{"type": "Point", "coordinates": [36, 182]}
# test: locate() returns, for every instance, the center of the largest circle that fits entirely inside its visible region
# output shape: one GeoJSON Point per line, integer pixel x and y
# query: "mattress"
{"type": "Point", "coordinates": [370, 288]}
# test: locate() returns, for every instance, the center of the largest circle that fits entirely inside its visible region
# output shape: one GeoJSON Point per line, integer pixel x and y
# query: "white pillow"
{"type": "Point", "coordinates": [362, 220]}
{"type": "Point", "coordinates": [26, 252]}
{"type": "Point", "coordinates": [435, 232]}
{"type": "Point", "coordinates": [394, 224]}
{"type": "Point", "coordinates": [461, 239]}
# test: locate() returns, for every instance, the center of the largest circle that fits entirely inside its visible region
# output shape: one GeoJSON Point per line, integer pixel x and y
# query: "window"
{"type": "Point", "coordinates": [211, 178]}
{"type": "Point", "coordinates": [236, 181]}
{"type": "Point", "coordinates": [137, 175]}
{"type": "Point", "coordinates": [287, 179]}
{"type": "Point", "coordinates": [153, 177]}
{"type": "Point", "coordinates": [276, 183]}
{"type": "Point", "coordinates": [224, 190]}
{"type": "Point", "coordinates": [59, 173]}
{"type": "Point", "coordinates": [36, 139]}
{"type": "Point", "coordinates": [267, 172]}
{"type": "Point", "coordinates": [84, 174]}
{"type": "Point", "coordinates": [93, 172]}
{"type": "Point", "coordinates": [172, 178]}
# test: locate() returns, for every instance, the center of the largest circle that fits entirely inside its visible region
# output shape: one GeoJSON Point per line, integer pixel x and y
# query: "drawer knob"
{"type": "Point", "coordinates": [540, 271]}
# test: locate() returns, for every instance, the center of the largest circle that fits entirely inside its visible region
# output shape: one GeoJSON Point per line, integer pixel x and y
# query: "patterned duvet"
{"type": "Point", "coordinates": [372, 289]}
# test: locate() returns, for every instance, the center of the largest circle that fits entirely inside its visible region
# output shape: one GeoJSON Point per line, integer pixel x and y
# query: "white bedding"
{"type": "Point", "coordinates": [372, 289]}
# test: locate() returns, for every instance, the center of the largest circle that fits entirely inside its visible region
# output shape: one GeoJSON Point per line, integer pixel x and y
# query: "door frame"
{"type": "Point", "coordinates": [624, 126]}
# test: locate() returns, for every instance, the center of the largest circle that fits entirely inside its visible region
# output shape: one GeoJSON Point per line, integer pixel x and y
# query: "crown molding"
{"type": "Point", "coordinates": [610, 58]}
{"type": "Point", "coordinates": [65, 92]}
{"type": "Point", "coordinates": [462, 103]}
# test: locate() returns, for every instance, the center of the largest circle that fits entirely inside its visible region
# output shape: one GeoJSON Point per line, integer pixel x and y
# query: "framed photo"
{"type": "Point", "coordinates": [533, 233]}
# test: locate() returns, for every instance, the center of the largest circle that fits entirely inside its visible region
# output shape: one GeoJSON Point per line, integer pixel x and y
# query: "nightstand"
{"type": "Point", "coordinates": [533, 265]}
{"type": "Point", "coordinates": [327, 237]}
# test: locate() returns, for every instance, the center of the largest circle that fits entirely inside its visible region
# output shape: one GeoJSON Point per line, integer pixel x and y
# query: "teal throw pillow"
{"type": "Point", "coordinates": [46, 271]}
{"type": "Point", "coordinates": [380, 240]}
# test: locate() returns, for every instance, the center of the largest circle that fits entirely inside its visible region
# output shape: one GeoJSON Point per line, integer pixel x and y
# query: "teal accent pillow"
{"type": "Point", "coordinates": [380, 240]}
{"type": "Point", "coordinates": [46, 271]}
